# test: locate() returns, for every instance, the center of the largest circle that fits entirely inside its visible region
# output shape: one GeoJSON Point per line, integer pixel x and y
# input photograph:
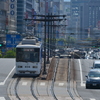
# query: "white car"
{"type": "Point", "coordinates": [96, 64]}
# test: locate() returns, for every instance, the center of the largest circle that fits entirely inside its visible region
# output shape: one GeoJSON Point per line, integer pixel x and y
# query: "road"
{"type": "Point", "coordinates": [7, 67]}
{"type": "Point", "coordinates": [69, 82]}
{"type": "Point", "coordinates": [86, 94]}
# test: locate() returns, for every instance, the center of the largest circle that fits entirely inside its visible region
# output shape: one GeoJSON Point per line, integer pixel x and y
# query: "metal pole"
{"type": "Point", "coordinates": [48, 42]}
{"type": "Point", "coordinates": [44, 70]}
{"type": "Point", "coordinates": [53, 40]}
{"type": "Point", "coordinates": [51, 37]}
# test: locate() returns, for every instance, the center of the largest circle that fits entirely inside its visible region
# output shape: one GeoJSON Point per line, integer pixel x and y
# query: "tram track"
{"type": "Point", "coordinates": [71, 92]}
{"type": "Point", "coordinates": [53, 80]}
{"type": "Point", "coordinates": [14, 91]}
{"type": "Point", "coordinates": [41, 89]}
{"type": "Point", "coordinates": [59, 82]}
{"type": "Point", "coordinates": [32, 90]}
{"type": "Point", "coordinates": [71, 87]}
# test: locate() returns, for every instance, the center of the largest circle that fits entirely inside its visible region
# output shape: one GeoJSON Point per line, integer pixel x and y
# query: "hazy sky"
{"type": "Point", "coordinates": [66, 0]}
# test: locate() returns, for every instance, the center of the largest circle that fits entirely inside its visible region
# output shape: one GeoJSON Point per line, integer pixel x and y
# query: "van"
{"type": "Point", "coordinates": [96, 64]}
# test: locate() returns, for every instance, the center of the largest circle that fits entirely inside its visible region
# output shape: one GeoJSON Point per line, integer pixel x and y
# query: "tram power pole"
{"type": "Point", "coordinates": [47, 19]}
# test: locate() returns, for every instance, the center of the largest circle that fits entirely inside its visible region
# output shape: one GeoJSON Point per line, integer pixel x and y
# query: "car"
{"type": "Point", "coordinates": [96, 64]}
{"type": "Point", "coordinates": [93, 79]}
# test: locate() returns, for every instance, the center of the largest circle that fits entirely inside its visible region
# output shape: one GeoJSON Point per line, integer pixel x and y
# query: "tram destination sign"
{"type": "Point", "coordinates": [12, 40]}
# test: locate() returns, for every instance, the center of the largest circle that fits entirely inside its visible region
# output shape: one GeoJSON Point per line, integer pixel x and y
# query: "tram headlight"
{"type": "Point", "coordinates": [34, 66]}
{"type": "Point", "coordinates": [19, 66]}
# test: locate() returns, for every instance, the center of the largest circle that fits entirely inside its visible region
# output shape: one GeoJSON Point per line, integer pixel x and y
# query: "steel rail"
{"type": "Point", "coordinates": [9, 89]}
{"type": "Point", "coordinates": [32, 90]}
{"type": "Point", "coordinates": [17, 96]}
{"type": "Point", "coordinates": [53, 80]}
{"type": "Point", "coordinates": [71, 84]}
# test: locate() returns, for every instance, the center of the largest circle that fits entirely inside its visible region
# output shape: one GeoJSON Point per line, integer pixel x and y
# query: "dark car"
{"type": "Point", "coordinates": [93, 79]}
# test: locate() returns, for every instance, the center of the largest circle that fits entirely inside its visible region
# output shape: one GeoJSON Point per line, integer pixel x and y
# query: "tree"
{"type": "Point", "coordinates": [0, 54]}
{"type": "Point", "coordinates": [10, 54]}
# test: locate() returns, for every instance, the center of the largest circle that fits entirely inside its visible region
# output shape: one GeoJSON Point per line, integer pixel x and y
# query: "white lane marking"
{"type": "Point", "coordinates": [2, 98]}
{"type": "Point", "coordinates": [92, 99]}
{"type": "Point", "coordinates": [61, 84]}
{"type": "Point", "coordinates": [42, 84]}
{"type": "Point", "coordinates": [24, 83]}
{"type": "Point", "coordinates": [2, 83]}
{"type": "Point", "coordinates": [82, 84]}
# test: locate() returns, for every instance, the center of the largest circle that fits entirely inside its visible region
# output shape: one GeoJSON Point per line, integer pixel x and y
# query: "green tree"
{"type": "Point", "coordinates": [10, 54]}
{"type": "Point", "coordinates": [89, 39]}
{"type": "Point", "coordinates": [0, 54]}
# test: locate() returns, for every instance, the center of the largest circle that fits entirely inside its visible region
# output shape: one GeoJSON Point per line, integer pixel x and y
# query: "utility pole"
{"type": "Point", "coordinates": [48, 45]}
{"type": "Point", "coordinates": [47, 19]}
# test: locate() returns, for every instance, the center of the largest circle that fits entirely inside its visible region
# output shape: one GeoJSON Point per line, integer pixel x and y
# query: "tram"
{"type": "Point", "coordinates": [29, 57]}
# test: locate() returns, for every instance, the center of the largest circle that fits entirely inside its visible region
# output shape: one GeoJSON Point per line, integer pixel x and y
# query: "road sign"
{"type": "Point", "coordinates": [12, 40]}
{"type": "Point", "coordinates": [60, 43]}
{"type": "Point", "coordinates": [12, 0]}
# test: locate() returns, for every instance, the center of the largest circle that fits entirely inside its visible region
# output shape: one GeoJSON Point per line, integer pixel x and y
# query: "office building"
{"type": "Point", "coordinates": [85, 15]}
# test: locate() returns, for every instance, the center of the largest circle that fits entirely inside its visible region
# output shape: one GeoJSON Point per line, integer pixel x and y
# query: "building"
{"type": "Point", "coordinates": [11, 26]}
{"type": "Point", "coordinates": [25, 10]}
{"type": "Point", "coordinates": [85, 15]}
{"type": "Point", "coordinates": [68, 30]}
{"type": "Point", "coordinates": [3, 18]}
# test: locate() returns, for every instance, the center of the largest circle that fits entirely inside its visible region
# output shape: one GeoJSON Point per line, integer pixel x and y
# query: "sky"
{"type": "Point", "coordinates": [66, 0]}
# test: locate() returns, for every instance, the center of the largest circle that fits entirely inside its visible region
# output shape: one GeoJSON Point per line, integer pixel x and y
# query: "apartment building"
{"type": "Point", "coordinates": [3, 18]}
{"type": "Point", "coordinates": [85, 15]}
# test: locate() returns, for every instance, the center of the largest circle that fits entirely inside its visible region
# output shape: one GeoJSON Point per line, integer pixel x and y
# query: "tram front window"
{"type": "Point", "coordinates": [27, 54]}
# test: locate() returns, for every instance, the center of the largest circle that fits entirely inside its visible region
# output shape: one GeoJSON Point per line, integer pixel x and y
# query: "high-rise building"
{"type": "Point", "coordinates": [3, 15]}
{"type": "Point", "coordinates": [11, 26]}
{"type": "Point", "coordinates": [25, 10]}
{"type": "Point", "coordinates": [3, 18]}
{"type": "Point", "coordinates": [85, 15]}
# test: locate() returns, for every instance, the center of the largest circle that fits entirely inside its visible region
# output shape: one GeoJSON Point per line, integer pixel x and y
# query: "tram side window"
{"type": "Point", "coordinates": [36, 57]}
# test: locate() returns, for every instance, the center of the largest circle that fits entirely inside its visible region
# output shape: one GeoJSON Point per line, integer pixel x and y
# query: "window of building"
{"type": "Point", "coordinates": [29, 6]}
{"type": "Point", "coordinates": [29, 0]}
{"type": "Point", "coordinates": [20, 9]}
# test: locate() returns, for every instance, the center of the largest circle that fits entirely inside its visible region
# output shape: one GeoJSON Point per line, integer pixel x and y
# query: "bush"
{"type": "Point", "coordinates": [10, 54]}
{"type": "Point", "coordinates": [0, 54]}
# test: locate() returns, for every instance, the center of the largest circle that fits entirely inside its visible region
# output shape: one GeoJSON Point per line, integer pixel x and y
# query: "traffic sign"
{"type": "Point", "coordinates": [12, 0]}
{"type": "Point", "coordinates": [60, 43]}
{"type": "Point", "coordinates": [12, 40]}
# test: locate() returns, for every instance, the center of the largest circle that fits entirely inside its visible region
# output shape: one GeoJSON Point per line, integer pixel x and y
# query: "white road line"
{"type": "Point", "coordinates": [2, 98]}
{"type": "Point", "coordinates": [61, 84]}
{"type": "Point", "coordinates": [82, 84]}
{"type": "Point", "coordinates": [92, 99]}
{"type": "Point", "coordinates": [42, 84]}
{"type": "Point", "coordinates": [24, 83]}
{"type": "Point", "coordinates": [2, 83]}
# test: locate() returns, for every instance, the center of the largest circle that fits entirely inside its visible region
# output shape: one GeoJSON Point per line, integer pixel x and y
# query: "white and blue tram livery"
{"type": "Point", "coordinates": [28, 57]}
